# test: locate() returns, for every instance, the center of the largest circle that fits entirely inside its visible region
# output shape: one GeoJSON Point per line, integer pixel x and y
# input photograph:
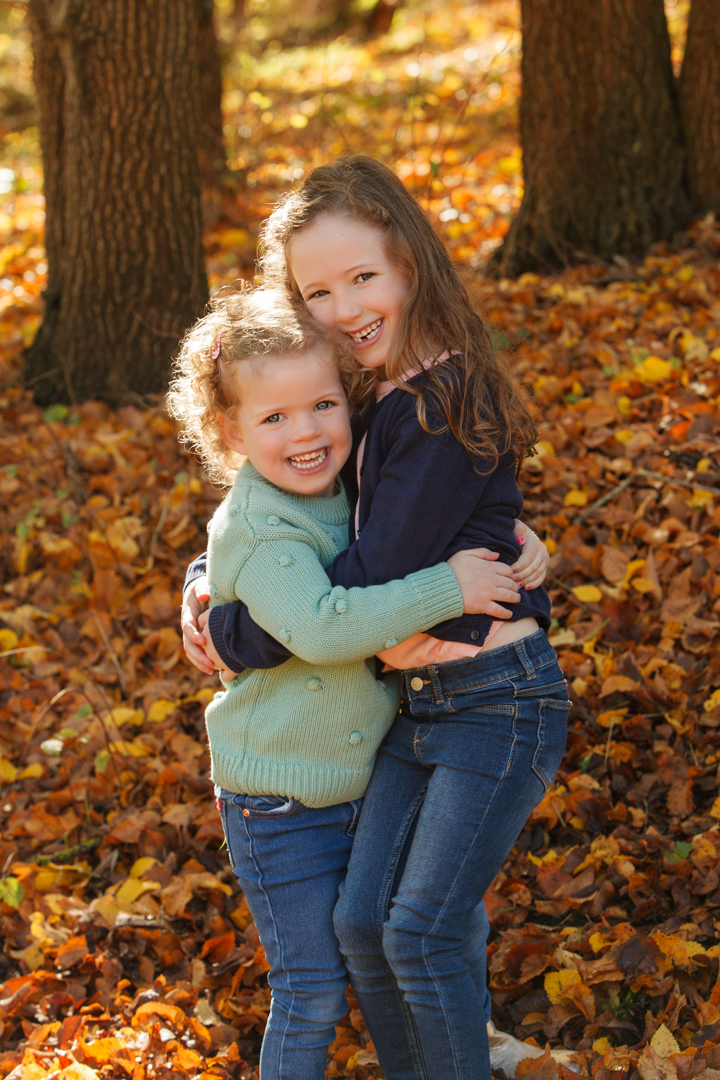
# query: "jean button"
{"type": "Point", "coordinates": [416, 683]}
{"type": "Point", "coordinates": [246, 813]}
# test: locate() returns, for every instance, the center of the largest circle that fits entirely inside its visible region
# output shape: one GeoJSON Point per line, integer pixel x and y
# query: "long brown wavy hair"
{"type": "Point", "coordinates": [477, 398]}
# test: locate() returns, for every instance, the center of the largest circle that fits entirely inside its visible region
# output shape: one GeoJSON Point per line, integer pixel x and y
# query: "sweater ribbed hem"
{"type": "Point", "coordinates": [439, 593]}
{"type": "Point", "coordinates": [321, 786]}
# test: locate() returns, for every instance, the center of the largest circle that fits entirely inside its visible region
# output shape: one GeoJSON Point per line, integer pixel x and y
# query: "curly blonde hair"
{"type": "Point", "coordinates": [241, 325]}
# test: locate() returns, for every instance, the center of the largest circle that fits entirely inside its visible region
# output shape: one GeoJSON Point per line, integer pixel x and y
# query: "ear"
{"type": "Point", "coordinates": [230, 434]}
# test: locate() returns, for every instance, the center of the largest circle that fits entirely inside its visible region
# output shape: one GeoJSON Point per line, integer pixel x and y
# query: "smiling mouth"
{"type": "Point", "coordinates": [368, 333]}
{"type": "Point", "coordinates": [311, 460]}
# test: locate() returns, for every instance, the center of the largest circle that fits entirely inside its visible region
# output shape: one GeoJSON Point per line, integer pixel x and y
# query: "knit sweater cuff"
{"type": "Point", "coordinates": [439, 592]}
{"type": "Point", "coordinates": [215, 627]}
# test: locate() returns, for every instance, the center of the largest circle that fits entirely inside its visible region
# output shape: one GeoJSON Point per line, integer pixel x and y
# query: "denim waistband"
{"type": "Point", "coordinates": [520, 659]}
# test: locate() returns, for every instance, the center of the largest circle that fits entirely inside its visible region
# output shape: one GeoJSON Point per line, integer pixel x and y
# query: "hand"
{"type": "Point", "coordinates": [210, 651]}
{"type": "Point", "coordinates": [531, 567]}
{"type": "Point", "coordinates": [196, 596]}
{"type": "Point", "coordinates": [483, 582]}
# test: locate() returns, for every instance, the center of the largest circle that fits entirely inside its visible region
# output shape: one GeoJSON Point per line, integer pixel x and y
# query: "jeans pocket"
{"type": "Point", "coordinates": [222, 807]}
{"type": "Point", "coordinates": [551, 739]}
{"type": "Point", "coordinates": [355, 806]}
{"type": "Point", "coordinates": [268, 806]}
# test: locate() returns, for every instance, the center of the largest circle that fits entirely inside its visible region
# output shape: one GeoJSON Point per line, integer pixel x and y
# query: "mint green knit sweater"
{"type": "Point", "coordinates": [310, 728]}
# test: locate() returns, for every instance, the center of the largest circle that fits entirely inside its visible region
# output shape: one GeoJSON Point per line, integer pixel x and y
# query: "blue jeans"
{"type": "Point", "coordinates": [290, 859]}
{"type": "Point", "coordinates": [473, 750]}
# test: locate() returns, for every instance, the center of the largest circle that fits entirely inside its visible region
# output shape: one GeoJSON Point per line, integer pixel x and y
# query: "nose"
{"type": "Point", "coordinates": [347, 309]}
{"type": "Point", "coordinates": [307, 427]}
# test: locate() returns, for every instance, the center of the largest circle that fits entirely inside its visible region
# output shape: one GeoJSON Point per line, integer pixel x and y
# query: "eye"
{"type": "Point", "coordinates": [272, 419]}
{"type": "Point", "coordinates": [318, 294]}
{"type": "Point", "coordinates": [323, 405]}
{"type": "Point", "coordinates": [366, 275]}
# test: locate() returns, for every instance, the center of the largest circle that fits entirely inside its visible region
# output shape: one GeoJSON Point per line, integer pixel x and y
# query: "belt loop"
{"type": "Point", "coordinates": [525, 660]}
{"type": "Point", "coordinates": [438, 696]}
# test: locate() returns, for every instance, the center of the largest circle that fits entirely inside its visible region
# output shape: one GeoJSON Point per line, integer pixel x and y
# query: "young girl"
{"type": "Point", "coordinates": [292, 749]}
{"type": "Point", "coordinates": [482, 727]}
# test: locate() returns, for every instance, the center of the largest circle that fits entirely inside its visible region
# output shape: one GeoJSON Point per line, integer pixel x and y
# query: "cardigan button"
{"type": "Point", "coordinates": [273, 520]}
{"type": "Point", "coordinates": [391, 643]}
{"type": "Point", "coordinates": [314, 683]}
{"type": "Point", "coordinates": [416, 683]}
{"type": "Point", "coordinates": [355, 738]}
{"type": "Point", "coordinates": [474, 634]}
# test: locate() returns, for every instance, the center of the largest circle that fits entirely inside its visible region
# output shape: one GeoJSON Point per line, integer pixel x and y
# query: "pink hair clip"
{"type": "Point", "coordinates": [216, 347]}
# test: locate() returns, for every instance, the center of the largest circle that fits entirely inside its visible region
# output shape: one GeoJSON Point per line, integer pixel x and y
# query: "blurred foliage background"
{"type": "Point", "coordinates": [432, 87]}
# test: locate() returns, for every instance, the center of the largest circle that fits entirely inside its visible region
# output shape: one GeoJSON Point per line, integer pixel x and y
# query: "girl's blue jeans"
{"type": "Point", "coordinates": [472, 752]}
{"type": "Point", "coordinates": [290, 860]}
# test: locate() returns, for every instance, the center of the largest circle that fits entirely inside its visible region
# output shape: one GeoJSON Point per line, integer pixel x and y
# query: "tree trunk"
{"type": "Point", "coordinates": [117, 89]}
{"type": "Point", "coordinates": [602, 151]}
{"type": "Point", "coordinates": [700, 104]}
{"type": "Point", "coordinates": [215, 175]}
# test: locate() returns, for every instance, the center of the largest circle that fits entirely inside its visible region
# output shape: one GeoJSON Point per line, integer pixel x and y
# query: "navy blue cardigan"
{"type": "Point", "coordinates": [422, 499]}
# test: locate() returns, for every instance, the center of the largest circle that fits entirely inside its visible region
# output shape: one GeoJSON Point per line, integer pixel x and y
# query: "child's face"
{"type": "Point", "coordinates": [347, 281]}
{"type": "Point", "coordinates": [292, 422]}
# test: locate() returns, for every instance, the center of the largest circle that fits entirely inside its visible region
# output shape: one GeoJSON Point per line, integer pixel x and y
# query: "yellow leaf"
{"type": "Point", "coordinates": [624, 405]}
{"type": "Point", "coordinates": [715, 355]}
{"type": "Point", "coordinates": [653, 369]}
{"type": "Point", "coordinates": [624, 435]}
{"type": "Point", "coordinates": [579, 685]}
{"type": "Point", "coordinates": [676, 949]}
{"type": "Point", "coordinates": [715, 810]}
{"type": "Point", "coordinates": [699, 499]}
{"type": "Point", "coordinates": [124, 715]}
{"type": "Point", "coordinates": [545, 448]}
{"type": "Point", "coordinates": [298, 120]}
{"type": "Point", "coordinates": [131, 749]}
{"type": "Point", "coordinates": [131, 889]}
{"type": "Point", "coordinates": [160, 709]}
{"type": "Point", "coordinates": [587, 594]}
{"type": "Point", "coordinates": [601, 1045]}
{"type": "Point", "coordinates": [642, 584]}
{"type": "Point", "coordinates": [31, 772]}
{"type": "Point", "coordinates": [713, 702]}
{"type": "Point", "coordinates": [141, 866]}
{"type": "Point", "coordinates": [232, 238]}
{"type": "Point", "coordinates": [703, 465]}
{"type": "Point", "coordinates": [599, 941]}
{"type": "Point", "coordinates": [8, 772]}
{"type": "Point", "coordinates": [557, 982]}
{"type": "Point", "coordinates": [576, 498]}
{"type": "Point", "coordinates": [611, 717]}
{"type": "Point", "coordinates": [664, 1042]}
{"type": "Point", "coordinates": [8, 639]}
{"type": "Point", "coordinates": [206, 693]}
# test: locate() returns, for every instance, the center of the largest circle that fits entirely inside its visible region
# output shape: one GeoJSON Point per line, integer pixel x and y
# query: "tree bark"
{"type": "Point", "coordinates": [117, 84]}
{"type": "Point", "coordinates": [214, 172]}
{"type": "Point", "coordinates": [602, 151]}
{"type": "Point", "coordinates": [700, 104]}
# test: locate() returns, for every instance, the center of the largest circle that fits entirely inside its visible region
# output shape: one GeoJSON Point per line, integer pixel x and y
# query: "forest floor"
{"type": "Point", "coordinates": [128, 949]}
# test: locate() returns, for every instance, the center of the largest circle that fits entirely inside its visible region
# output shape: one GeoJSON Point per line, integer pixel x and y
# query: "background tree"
{"type": "Point", "coordinates": [117, 88]}
{"type": "Point", "coordinates": [603, 156]}
{"type": "Point", "coordinates": [700, 104]}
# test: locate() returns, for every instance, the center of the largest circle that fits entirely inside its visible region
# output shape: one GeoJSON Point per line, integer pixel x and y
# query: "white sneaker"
{"type": "Point", "coordinates": [506, 1053]}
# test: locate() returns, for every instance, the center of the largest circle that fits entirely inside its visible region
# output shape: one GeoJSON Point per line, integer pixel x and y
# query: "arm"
{"type": "Point", "coordinates": [288, 593]}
